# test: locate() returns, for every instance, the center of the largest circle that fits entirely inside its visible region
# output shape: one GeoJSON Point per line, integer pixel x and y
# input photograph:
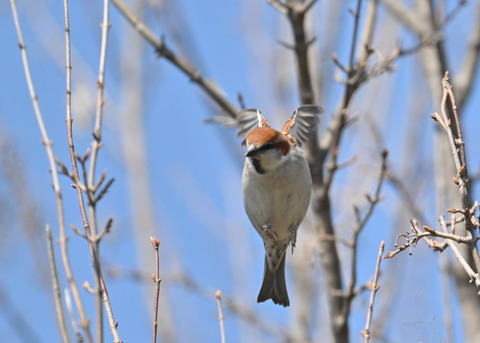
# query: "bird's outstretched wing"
{"type": "Point", "coordinates": [303, 123]}
{"type": "Point", "coordinates": [249, 119]}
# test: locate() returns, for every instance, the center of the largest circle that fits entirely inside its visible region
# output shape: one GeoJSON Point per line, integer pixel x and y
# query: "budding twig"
{"type": "Point", "coordinates": [221, 317]}
{"type": "Point", "coordinates": [156, 278]}
{"type": "Point", "coordinates": [374, 286]}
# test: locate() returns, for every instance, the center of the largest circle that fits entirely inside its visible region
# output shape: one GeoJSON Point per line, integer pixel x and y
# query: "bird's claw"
{"type": "Point", "coordinates": [292, 235]}
{"type": "Point", "coordinates": [270, 232]}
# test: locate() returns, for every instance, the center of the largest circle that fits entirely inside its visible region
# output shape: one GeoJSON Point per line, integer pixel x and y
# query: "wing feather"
{"type": "Point", "coordinates": [249, 119]}
{"type": "Point", "coordinates": [303, 122]}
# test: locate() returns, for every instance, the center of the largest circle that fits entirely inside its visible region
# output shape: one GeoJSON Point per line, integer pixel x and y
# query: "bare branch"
{"type": "Point", "coordinates": [457, 147]}
{"type": "Point", "coordinates": [68, 305]}
{"type": "Point", "coordinates": [366, 37]}
{"type": "Point", "coordinates": [221, 317]}
{"type": "Point", "coordinates": [100, 285]}
{"type": "Point", "coordinates": [453, 12]}
{"type": "Point", "coordinates": [106, 229]}
{"type": "Point", "coordinates": [408, 199]}
{"type": "Point", "coordinates": [468, 67]}
{"type": "Point", "coordinates": [456, 238]}
{"type": "Point", "coordinates": [329, 147]}
{"type": "Point", "coordinates": [101, 295]}
{"type": "Point", "coordinates": [355, 78]}
{"type": "Point", "coordinates": [360, 224]}
{"type": "Point", "coordinates": [78, 232]}
{"type": "Point", "coordinates": [373, 290]}
{"type": "Point", "coordinates": [157, 280]}
{"type": "Point", "coordinates": [100, 181]}
{"type": "Point", "coordinates": [266, 325]}
{"type": "Point", "coordinates": [104, 190]}
{"type": "Point", "coordinates": [404, 14]}
{"type": "Point", "coordinates": [84, 321]}
{"type": "Point", "coordinates": [57, 295]}
{"type": "Point", "coordinates": [411, 238]}
{"type": "Point", "coordinates": [89, 288]}
{"type": "Point", "coordinates": [63, 169]}
{"type": "Point", "coordinates": [280, 6]}
{"type": "Point", "coordinates": [76, 175]}
{"type": "Point", "coordinates": [473, 276]}
{"type": "Point", "coordinates": [338, 63]}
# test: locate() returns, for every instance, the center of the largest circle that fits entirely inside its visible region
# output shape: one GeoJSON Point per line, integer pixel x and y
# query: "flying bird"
{"type": "Point", "coordinates": [277, 187]}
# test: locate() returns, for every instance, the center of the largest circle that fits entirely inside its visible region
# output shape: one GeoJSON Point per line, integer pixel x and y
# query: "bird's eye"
{"type": "Point", "coordinates": [267, 146]}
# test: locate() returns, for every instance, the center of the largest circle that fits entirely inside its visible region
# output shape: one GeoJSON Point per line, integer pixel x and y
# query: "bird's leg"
{"type": "Point", "coordinates": [270, 232]}
{"type": "Point", "coordinates": [292, 235]}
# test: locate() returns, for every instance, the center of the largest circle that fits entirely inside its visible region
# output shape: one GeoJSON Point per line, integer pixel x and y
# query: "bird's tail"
{"type": "Point", "coordinates": [274, 286]}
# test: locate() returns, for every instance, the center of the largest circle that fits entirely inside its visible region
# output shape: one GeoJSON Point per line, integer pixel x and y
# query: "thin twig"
{"type": "Point", "coordinates": [221, 317]}
{"type": "Point", "coordinates": [456, 238]}
{"type": "Point", "coordinates": [97, 132]}
{"type": "Point", "coordinates": [157, 280]}
{"type": "Point", "coordinates": [68, 305]}
{"type": "Point", "coordinates": [360, 224]}
{"type": "Point", "coordinates": [366, 37]}
{"type": "Point", "coordinates": [353, 43]}
{"type": "Point", "coordinates": [57, 295]}
{"type": "Point", "coordinates": [413, 236]}
{"type": "Point", "coordinates": [336, 239]}
{"type": "Point", "coordinates": [307, 5]}
{"type": "Point", "coordinates": [279, 6]}
{"type": "Point", "coordinates": [474, 277]}
{"type": "Point", "coordinates": [331, 141]}
{"type": "Point", "coordinates": [105, 230]}
{"type": "Point", "coordinates": [451, 139]}
{"type": "Point", "coordinates": [101, 292]}
{"type": "Point", "coordinates": [459, 139]}
{"type": "Point", "coordinates": [90, 182]}
{"type": "Point", "coordinates": [86, 286]}
{"type": "Point", "coordinates": [406, 197]}
{"type": "Point", "coordinates": [264, 324]}
{"type": "Point", "coordinates": [100, 181]}
{"type": "Point", "coordinates": [453, 13]}
{"type": "Point", "coordinates": [465, 76]}
{"type": "Point", "coordinates": [328, 151]}
{"type": "Point", "coordinates": [373, 290]}
{"type": "Point", "coordinates": [78, 232]}
{"type": "Point", "coordinates": [104, 190]}
{"type": "Point", "coordinates": [338, 63]}
{"type": "Point", "coordinates": [457, 146]}
{"type": "Point", "coordinates": [411, 239]}
{"type": "Point", "coordinates": [76, 176]}
{"type": "Point", "coordinates": [84, 321]}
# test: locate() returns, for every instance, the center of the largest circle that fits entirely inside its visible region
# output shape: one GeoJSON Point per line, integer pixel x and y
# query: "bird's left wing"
{"type": "Point", "coordinates": [303, 122]}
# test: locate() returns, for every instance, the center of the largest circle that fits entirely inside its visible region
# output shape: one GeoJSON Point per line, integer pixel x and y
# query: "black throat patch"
{"type": "Point", "coordinates": [257, 165]}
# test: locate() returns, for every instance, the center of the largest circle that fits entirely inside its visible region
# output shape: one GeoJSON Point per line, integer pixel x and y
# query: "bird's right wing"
{"type": "Point", "coordinates": [249, 119]}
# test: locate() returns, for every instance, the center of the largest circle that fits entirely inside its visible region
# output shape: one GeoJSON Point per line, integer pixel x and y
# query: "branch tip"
{"type": "Point", "coordinates": [155, 242]}
{"type": "Point", "coordinates": [385, 153]}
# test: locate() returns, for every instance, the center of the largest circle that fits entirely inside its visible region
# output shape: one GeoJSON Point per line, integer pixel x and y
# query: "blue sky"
{"type": "Point", "coordinates": [194, 169]}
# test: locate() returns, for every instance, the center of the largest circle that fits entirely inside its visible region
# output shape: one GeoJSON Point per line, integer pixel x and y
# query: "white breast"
{"type": "Point", "coordinates": [278, 197]}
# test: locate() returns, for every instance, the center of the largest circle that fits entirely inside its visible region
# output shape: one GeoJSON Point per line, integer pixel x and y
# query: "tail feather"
{"type": "Point", "coordinates": [274, 285]}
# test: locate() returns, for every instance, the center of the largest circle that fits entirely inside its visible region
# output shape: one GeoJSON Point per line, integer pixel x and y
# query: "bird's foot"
{"type": "Point", "coordinates": [270, 232]}
{"type": "Point", "coordinates": [292, 235]}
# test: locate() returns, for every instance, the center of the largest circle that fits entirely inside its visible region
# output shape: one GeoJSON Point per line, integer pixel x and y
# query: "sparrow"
{"type": "Point", "coordinates": [276, 187]}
